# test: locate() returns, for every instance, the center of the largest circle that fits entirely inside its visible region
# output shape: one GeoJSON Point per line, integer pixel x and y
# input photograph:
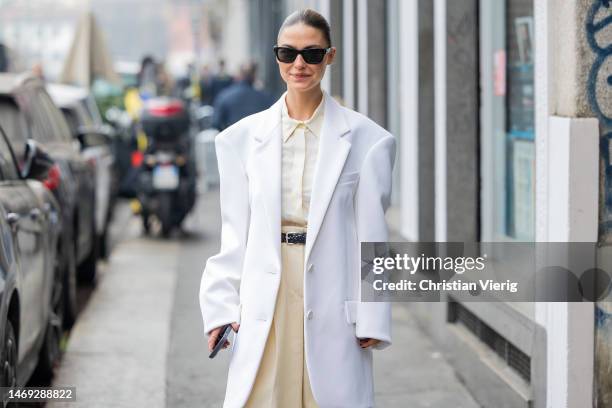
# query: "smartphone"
{"type": "Point", "coordinates": [223, 335]}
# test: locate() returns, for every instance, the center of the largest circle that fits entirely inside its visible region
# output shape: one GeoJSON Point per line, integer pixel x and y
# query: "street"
{"type": "Point", "coordinates": [139, 340]}
{"type": "Point", "coordinates": [456, 126]}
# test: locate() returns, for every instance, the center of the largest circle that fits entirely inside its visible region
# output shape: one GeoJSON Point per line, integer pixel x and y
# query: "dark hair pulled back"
{"type": "Point", "coordinates": [310, 18]}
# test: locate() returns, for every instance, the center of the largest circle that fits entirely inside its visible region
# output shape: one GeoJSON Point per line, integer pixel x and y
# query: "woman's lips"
{"type": "Point", "coordinates": [300, 76]}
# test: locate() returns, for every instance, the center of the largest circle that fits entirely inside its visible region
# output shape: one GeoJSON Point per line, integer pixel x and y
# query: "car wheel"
{"type": "Point", "coordinates": [165, 215]}
{"type": "Point", "coordinates": [9, 356]}
{"type": "Point", "coordinates": [103, 250]}
{"type": "Point", "coordinates": [102, 244]}
{"type": "Point", "coordinates": [69, 290]}
{"type": "Point", "coordinates": [166, 230]}
{"type": "Point", "coordinates": [87, 268]}
{"type": "Point", "coordinates": [146, 224]}
{"type": "Point", "coordinates": [50, 351]}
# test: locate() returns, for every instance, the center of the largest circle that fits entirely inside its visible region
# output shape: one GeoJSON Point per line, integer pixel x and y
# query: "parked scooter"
{"type": "Point", "coordinates": [166, 186]}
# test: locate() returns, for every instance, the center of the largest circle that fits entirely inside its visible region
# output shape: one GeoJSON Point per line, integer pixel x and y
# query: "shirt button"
{"type": "Point", "coordinates": [309, 315]}
{"type": "Point", "coordinates": [310, 267]}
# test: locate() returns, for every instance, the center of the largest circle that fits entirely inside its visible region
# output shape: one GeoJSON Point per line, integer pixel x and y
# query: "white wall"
{"type": "Point", "coordinates": [234, 41]}
{"type": "Point", "coordinates": [348, 75]}
{"type": "Point", "coordinates": [409, 118]}
{"type": "Point", "coordinates": [564, 146]}
{"type": "Point", "coordinates": [440, 114]}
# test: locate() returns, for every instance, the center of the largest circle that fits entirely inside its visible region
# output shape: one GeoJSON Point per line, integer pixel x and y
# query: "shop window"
{"type": "Point", "coordinates": [507, 119]}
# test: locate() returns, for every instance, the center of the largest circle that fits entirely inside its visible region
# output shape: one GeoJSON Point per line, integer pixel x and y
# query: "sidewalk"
{"type": "Point", "coordinates": [116, 355]}
{"type": "Point", "coordinates": [413, 373]}
{"type": "Point", "coordinates": [139, 341]}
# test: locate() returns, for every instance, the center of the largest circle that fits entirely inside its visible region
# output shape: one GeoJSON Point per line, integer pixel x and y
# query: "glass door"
{"type": "Point", "coordinates": [507, 121]}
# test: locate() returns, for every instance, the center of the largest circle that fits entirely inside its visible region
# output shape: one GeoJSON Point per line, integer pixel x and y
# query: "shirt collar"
{"type": "Point", "coordinates": [313, 123]}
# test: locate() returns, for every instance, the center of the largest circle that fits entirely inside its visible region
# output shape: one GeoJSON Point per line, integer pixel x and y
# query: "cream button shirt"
{"type": "Point", "coordinates": [282, 379]}
{"type": "Point", "coordinates": [299, 157]}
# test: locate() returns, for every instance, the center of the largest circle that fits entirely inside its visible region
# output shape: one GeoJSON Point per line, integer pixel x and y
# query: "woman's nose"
{"type": "Point", "coordinates": [299, 61]}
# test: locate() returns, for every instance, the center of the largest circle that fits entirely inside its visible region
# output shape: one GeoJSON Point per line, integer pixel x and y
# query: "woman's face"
{"type": "Point", "coordinates": [299, 75]}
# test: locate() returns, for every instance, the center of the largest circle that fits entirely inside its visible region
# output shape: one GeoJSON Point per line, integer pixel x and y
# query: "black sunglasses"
{"type": "Point", "coordinates": [310, 55]}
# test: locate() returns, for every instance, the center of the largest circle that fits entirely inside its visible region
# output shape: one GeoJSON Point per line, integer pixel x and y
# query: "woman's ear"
{"type": "Point", "coordinates": [331, 55]}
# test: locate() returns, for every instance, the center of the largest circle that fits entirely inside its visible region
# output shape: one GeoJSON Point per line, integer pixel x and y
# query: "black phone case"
{"type": "Point", "coordinates": [226, 332]}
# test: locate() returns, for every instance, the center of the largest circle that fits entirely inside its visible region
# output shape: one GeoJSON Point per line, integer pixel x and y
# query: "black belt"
{"type": "Point", "coordinates": [293, 237]}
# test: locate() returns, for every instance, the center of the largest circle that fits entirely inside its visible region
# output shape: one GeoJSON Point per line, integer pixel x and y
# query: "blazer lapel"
{"type": "Point", "coordinates": [266, 170]}
{"type": "Point", "coordinates": [333, 151]}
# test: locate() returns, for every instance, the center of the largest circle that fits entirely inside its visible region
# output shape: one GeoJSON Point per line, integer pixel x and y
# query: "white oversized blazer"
{"type": "Point", "coordinates": [350, 194]}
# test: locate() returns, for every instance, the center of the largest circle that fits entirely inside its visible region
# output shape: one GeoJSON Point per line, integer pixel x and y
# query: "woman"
{"type": "Point", "coordinates": [302, 183]}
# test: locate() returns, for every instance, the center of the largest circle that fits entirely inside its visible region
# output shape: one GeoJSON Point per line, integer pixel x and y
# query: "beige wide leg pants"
{"type": "Point", "coordinates": [282, 379]}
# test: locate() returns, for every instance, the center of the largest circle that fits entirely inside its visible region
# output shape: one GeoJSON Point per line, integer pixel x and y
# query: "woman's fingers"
{"type": "Point", "coordinates": [215, 333]}
{"type": "Point", "coordinates": [365, 343]}
{"type": "Point", "coordinates": [212, 339]}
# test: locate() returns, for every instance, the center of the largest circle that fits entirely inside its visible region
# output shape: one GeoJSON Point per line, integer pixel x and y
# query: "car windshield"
{"type": "Point", "coordinates": [14, 125]}
{"type": "Point", "coordinates": [71, 119]}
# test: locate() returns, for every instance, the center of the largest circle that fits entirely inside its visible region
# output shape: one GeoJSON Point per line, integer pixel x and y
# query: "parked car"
{"type": "Point", "coordinates": [96, 138]}
{"type": "Point", "coordinates": [36, 116]}
{"type": "Point", "coordinates": [31, 294]}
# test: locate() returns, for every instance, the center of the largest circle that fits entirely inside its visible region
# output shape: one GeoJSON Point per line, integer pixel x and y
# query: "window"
{"type": "Point", "coordinates": [36, 116]}
{"type": "Point", "coordinates": [48, 124]}
{"type": "Point", "coordinates": [59, 129]}
{"type": "Point", "coordinates": [92, 111]}
{"type": "Point", "coordinates": [8, 169]}
{"type": "Point", "coordinates": [15, 129]}
{"type": "Point", "coordinates": [507, 128]}
{"type": "Point", "coordinates": [71, 120]}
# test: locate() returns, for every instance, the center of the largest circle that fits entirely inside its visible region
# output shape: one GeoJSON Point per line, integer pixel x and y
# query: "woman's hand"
{"type": "Point", "coordinates": [215, 333]}
{"type": "Point", "coordinates": [365, 343]}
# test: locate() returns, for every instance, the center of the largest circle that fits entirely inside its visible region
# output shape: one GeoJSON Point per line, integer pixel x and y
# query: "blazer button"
{"type": "Point", "coordinates": [309, 315]}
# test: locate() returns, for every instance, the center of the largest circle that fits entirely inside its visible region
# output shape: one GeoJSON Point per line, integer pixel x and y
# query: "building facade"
{"type": "Point", "coordinates": [502, 112]}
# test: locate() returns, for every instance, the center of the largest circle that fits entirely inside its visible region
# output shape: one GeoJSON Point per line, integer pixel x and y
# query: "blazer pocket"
{"type": "Point", "coordinates": [350, 309]}
{"type": "Point", "coordinates": [348, 178]}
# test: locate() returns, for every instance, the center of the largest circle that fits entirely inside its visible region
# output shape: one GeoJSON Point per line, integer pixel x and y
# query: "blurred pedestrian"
{"type": "Point", "coordinates": [316, 176]}
{"type": "Point", "coordinates": [219, 82]}
{"type": "Point", "coordinates": [4, 58]}
{"type": "Point", "coordinates": [164, 81]}
{"type": "Point", "coordinates": [183, 85]}
{"type": "Point", "coordinates": [147, 77]}
{"type": "Point", "coordinates": [206, 85]}
{"type": "Point", "coordinates": [240, 99]}
{"type": "Point", "coordinates": [38, 71]}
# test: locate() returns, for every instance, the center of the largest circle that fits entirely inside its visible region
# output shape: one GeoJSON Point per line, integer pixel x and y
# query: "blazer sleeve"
{"type": "Point", "coordinates": [373, 197]}
{"type": "Point", "coordinates": [219, 288]}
